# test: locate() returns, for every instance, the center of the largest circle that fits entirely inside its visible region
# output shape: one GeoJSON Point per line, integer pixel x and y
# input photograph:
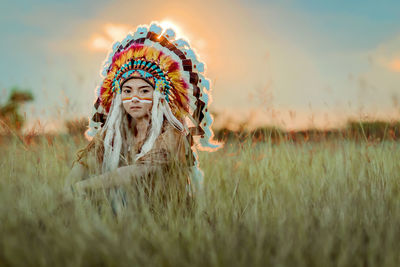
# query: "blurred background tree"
{"type": "Point", "coordinates": [10, 115]}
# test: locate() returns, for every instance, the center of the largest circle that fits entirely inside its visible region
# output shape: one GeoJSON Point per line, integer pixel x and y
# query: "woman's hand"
{"type": "Point", "coordinates": [69, 191]}
{"type": "Point", "coordinates": [79, 188]}
{"type": "Point", "coordinates": [71, 187]}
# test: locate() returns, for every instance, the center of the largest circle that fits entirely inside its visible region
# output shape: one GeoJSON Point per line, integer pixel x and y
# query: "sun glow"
{"type": "Point", "coordinates": [112, 32]}
{"type": "Point", "coordinates": [167, 24]}
{"type": "Point", "coordinates": [395, 65]}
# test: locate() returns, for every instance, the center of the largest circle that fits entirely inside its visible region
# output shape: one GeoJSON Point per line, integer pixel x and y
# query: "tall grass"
{"type": "Point", "coordinates": [332, 203]}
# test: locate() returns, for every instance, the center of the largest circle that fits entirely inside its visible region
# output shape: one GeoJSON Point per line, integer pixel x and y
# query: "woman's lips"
{"type": "Point", "coordinates": [136, 108]}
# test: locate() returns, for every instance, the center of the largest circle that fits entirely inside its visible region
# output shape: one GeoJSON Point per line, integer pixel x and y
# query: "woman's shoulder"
{"type": "Point", "coordinates": [170, 136]}
{"type": "Point", "coordinates": [175, 142]}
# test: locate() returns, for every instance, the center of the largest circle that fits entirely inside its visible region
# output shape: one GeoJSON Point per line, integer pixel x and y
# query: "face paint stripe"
{"type": "Point", "coordinates": [141, 100]}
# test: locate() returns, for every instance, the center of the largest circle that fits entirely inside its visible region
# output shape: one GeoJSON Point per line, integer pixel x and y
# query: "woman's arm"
{"type": "Point", "coordinates": [121, 176]}
{"type": "Point", "coordinates": [77, 173]}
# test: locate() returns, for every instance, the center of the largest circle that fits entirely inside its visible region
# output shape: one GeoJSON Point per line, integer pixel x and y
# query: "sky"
{"type": "Point", "coordinates": [296, 64]}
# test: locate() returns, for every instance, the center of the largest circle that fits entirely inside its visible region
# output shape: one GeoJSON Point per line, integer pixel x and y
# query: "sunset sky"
{"type": "Point", "coordinates": [293, 63]}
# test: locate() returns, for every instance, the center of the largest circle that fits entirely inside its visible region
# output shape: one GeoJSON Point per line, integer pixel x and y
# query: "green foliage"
{"type": "Point", "coordinates": [10, 112]}
{"type": "Point", "coordinates": [331, 203]}
{"type": "Point", "coordinates": [375, 129]}
{"type": "Point", "coordinates": [355, 130]}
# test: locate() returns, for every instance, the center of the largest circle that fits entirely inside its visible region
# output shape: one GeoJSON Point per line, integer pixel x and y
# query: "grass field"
{"type": "Point", "coordinates": [332, 203]}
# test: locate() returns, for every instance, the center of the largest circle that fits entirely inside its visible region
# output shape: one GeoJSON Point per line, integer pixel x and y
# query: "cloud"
{"type": "Point", "coordinates": [379, 82]}
{"type": "Point", "coordinates": [99, 43]}
{"type": "Point", "coordinates": [387, 54]}
{"type": "Point", "coordinates": [111, 32]}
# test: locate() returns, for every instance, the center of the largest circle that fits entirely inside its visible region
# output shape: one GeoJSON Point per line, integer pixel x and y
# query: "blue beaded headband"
{"type": "Point", "coordinates": [149, 71]}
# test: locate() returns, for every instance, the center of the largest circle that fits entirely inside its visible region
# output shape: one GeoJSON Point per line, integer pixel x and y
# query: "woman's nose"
{"type": "Point", "coordinates": [135, 99]}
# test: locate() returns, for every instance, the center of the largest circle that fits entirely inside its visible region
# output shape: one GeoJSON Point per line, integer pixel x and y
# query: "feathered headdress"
{"type": "Point", "coordinates": [174, 70]}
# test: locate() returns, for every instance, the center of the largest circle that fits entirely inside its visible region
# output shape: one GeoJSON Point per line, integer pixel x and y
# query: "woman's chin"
{"type": "Point", "coordinates": [136, 114]}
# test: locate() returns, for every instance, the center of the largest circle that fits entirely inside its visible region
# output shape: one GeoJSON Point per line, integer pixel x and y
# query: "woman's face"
{"type": "Point", "coordinates": [137, 98]}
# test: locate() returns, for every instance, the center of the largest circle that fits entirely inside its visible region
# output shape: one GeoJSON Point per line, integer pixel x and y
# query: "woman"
{"type": "Point", "coordinates": [152, 101]}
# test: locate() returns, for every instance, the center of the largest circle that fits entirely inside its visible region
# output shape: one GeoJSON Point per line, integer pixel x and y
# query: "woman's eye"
{"type": "Point", "coordinates": [127, 91]}
{"type": "Point", "coordinates": [145, 91]}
